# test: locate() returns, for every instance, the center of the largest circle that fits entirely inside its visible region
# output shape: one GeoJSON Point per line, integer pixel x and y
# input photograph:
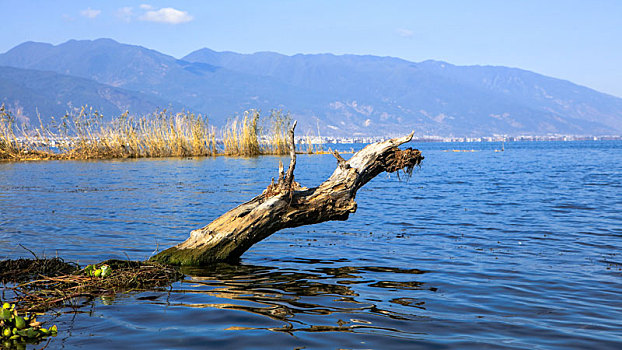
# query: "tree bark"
{"type": "Point", "coordinates": [286, 204]}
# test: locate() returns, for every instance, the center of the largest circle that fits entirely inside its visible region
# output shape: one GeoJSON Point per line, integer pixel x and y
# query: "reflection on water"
{"type": "Point", "coordinates": [515, 249]}
{"type": "Point", "coordinates": [286, 295]}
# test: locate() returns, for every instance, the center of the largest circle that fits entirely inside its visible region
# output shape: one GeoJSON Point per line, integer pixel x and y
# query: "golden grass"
{"type": "Point", "coordinates": [314, 147]}
{"type": "Point", "coordinates": [241, 138]}
{"type": "Point", "coordinates": [276, 137]}
{"type": "Point", "coordinates": [7, 135]}
{"type": "Point", "coordinates": [85, 134]}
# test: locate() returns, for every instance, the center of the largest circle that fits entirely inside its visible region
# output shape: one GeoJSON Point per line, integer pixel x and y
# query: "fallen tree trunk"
{"type": "Point", "coordinates": [286, 204]}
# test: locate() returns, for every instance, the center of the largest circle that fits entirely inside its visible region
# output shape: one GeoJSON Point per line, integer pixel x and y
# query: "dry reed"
{"type": "Point", "coordinates": [12, 147]}
{"type": "Point", "coordinates": [241, 138]}
{"type": "Point", "coordinates": [276, 137]}
{"type": "Point", "coordinates": [85, 134]}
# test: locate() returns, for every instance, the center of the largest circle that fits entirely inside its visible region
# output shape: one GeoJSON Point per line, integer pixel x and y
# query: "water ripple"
{"type": "Point", "coordinates": [512, 250]}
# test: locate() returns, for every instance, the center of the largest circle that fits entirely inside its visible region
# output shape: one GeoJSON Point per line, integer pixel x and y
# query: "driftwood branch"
{"type": "Point", "coordinates": [286, 204]}
{"type": "Point", "coordinates": [289, 177]}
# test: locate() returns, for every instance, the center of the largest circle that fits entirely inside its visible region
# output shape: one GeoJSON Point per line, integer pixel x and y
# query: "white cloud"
{"type": "Point", "coordinates": [146, 7]}
{"type": "Point", "coordinates": [90, 13]}
{"type": "Point", "coordinates": [125, 13]}
{"type": "Point", "coordinates": [166, 15]}
{"type": "Point", "coordinates": [405, 33]}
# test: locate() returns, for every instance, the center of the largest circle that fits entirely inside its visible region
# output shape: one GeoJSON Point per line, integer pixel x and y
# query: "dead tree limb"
{"type": "Point", "coordinates": [286, 204]}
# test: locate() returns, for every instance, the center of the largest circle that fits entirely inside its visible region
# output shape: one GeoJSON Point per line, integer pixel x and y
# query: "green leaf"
{"type": "Point", "coordinates": [106, 271]}
{"type": "Point", "coordinates": [5, 314]}
{"type": "Point", "coordinates": [89, 270]}
{"type": "Point", "coordinates": [20, 323]}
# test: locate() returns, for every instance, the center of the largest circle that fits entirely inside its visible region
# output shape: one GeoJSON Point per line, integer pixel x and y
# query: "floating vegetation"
{"type": "Point", "coordinates": [37, 285]}
{"type": "Point", "coordinates": [86, 134]}
{"type": "Point", "coordinates": [55, 290]}
{"type": "Point", "coordinates": [94, 271]}
{"type": "Point", "coordinates": [20, 270]}
{"type": "Point", "coordinates": [17, 330]}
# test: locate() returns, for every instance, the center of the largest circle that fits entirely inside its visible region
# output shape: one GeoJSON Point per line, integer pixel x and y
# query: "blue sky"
{"type": "Point", "coordinates": [580, 41]}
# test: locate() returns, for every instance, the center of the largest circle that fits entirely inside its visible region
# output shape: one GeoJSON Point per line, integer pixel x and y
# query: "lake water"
{"type": "Point", "coordinates": [506, 250]}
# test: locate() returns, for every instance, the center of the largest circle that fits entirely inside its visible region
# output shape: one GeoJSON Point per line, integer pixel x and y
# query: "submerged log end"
{"type": "Point", "coordinates": [175, 256]}
{"type": "Point", "coordinates": [205, 247]}
{"type": "Point", "coordinates": [191, 257]}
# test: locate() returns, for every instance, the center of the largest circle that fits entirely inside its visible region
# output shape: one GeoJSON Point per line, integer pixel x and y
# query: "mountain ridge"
{"type": "Point", "coordinates": [342, 95]}
{"type": "Point", "coordinates": [29, 93]}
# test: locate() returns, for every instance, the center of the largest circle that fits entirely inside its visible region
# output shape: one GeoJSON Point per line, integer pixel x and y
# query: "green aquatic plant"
{"type": "Point", "coordinates": [94, 271]}
{"type": "Point", "coordinates": [17, 330]}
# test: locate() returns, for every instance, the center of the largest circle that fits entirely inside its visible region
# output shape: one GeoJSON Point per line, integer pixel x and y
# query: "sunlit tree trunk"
{"type": "Point", "coordinates": [286, 204]}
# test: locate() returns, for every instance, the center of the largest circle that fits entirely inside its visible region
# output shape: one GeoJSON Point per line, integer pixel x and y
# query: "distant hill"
{"type": "Point", "coordinates": [208, 89]}
{"type": "Point", "coordinates": [435, 96]}
{"type": "Point", "coordinates": [342, 95]}
{"type": "Point", "coordinates": [28, 91]}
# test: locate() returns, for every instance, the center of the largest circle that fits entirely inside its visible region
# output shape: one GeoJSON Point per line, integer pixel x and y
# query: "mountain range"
{"type": "Point", "coordinates": [346, 95]}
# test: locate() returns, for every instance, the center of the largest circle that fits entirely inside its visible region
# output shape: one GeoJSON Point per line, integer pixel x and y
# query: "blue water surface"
{"type": "Point", "coordinates": [479, 249]}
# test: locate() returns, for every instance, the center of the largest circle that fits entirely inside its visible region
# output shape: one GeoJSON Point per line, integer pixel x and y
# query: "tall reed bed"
{"type": "Point", "coordinates": [161, 134]}
{"type": "Point", "coordinates": [12, 146]}
{"type": "Point", "coordinates": [248, 137]}
{"type": "Point", "coordinates": [85, 134]}
{"type": "Point", "coordinates": [276, 135]}
{"type": "Point", "coordinates": [241, 138]}
{"type": "Point", "coordinates": [8, 139]}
